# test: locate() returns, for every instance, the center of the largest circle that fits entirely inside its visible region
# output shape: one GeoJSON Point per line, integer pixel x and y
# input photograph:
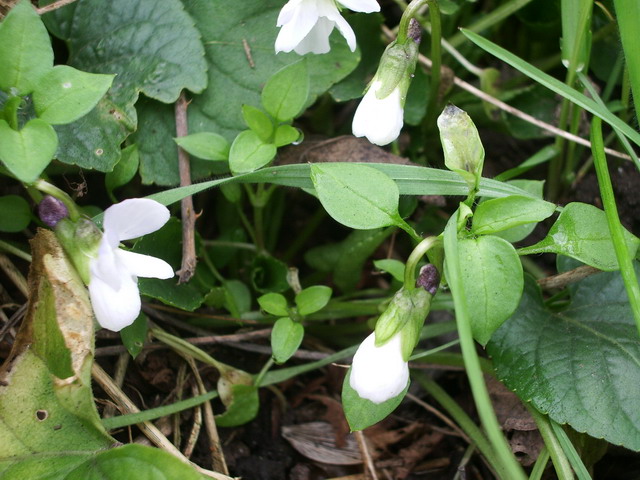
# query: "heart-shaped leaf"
{"type": "Point", "coordinates": [27, 152]}
{"type": "Point", "coordinates": [286, 338]}
{"type": "Point", "coordinates": [581, 366]}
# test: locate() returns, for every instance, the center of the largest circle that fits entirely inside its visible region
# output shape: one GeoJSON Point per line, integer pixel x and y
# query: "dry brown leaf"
{"type": "Point", "coordinates": [317, 441]}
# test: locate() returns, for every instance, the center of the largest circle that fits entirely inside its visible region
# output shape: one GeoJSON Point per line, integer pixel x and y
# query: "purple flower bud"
{"type": "Point", "coordinates": [414, 32]}
{"type": "Point", "coordinates": [51, 211]}
{"type": "Point", "coordinates": [429, 278]}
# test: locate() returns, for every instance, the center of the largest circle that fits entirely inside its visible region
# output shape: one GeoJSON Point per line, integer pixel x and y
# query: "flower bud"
{"type": "Point", "coordinates": [51, 211]}
{"type": "Point", "coordinates": [463, 150]}
{"type": "Point", "coordinates": [429, 278]}
{"type": "Point", "coordinates": [380, 115]}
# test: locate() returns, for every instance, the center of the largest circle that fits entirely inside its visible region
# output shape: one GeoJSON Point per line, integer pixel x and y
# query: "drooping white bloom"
{"type": "Point", "coordinates": [379, 373]}
{"type": "Point", "coordinates": [113, 285]}
{"type": "Point", "coordinates": [379, 119]}
{"type": "Point", "coordinates": [307, 24]}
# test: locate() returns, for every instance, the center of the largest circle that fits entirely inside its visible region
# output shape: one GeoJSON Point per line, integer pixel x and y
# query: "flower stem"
{"type": "Point", "coordinates": [409, 13]}
{"type": "Point", "coordinates": [436, 60]}
{"type": "Point", "coordinates": [412, 262]}
{"type": "Point", "coordinates": [49, 189]}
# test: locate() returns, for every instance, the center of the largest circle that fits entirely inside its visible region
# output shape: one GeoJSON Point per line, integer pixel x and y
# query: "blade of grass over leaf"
{"type": "Point", "coordinates": [615, 227]}
{"type": "Point", "coordinates": [628, 16]}
{"type": "Point", "coordinates": [570, 451]}
{"type": "Point", "coordinates": [554, 84]}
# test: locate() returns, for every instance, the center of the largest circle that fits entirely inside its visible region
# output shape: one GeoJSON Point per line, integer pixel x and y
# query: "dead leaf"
{"type": "Point", "coordinates": [317, 441]}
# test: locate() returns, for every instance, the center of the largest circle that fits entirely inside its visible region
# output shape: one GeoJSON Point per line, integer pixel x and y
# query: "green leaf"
{"type": "Point", "coordinates": [285, 135]}
{"type": "Point", "coordinates": [357, 196]}
{"type": "Point", "coordinates": [27, 152]}
{"type": "Point", "coordinates": [258, 121]}
{"type": "Point", "coordinates": [499, 214]}
{"type": "Point", "coordinates": [286, 338]}
{"type": "Point", "coordinates": [249, 153]}
{"type": "Point", "coordinates": [124, 170]}
{"type": "Point", "coordinates": [581, 232]}
{"type": "Point", "coordinates": [391, 266]}
{"type": "Point", "coordinates": [25, 49]}
{"type": "Point", "coordinates": [205, 145]}
{"type": "Point", "coordinates": [553, 84]}
{"type": "Point", "coordinates": [285, 93]}
{"type": "Point", "coordinates": [15, 213]}
{"type": "Point", "coordinates": [268, 274]}
{"type": "Point", "coordinates": [131, 462]}
{"type": "Point", "coordinates": [515, 234]}
{"type": "Point", "coordinates": [362, 413]}
{"type": "Point", "coordinates": [243, 409]}
{"type": "Point", "coordinates": [627, 16]}
{"type": "Point", "coordinates": [95, 140]}
{"type": "Point", "coordinates": [274, 304]}
{"type": "Point", "coordinates": [492, 282]}
{"type": "Point", "coordinates": [134, 336]}
{"type": "Point", "coordinates": [580, 366]}
{"type": "Point", "coordinates": [313, 299]}
{"type": "Point", "coordinates": [65, 94]}
{"type": "Point", "coordinates": [237, 297]}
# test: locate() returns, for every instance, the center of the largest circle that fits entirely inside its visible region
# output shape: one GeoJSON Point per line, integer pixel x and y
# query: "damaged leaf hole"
{"type": "Point", "coordinates": [42, 415]}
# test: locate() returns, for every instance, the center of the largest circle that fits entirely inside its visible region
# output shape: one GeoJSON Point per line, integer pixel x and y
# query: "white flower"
{"type": "Point", "coordinates": [113, 286]}
{"type": "Point", "coordinates": [379, 373]}
{"type": "Point", "coordinates": [307, 24]}
{"type": "Point", "coordinates": [380, 120]}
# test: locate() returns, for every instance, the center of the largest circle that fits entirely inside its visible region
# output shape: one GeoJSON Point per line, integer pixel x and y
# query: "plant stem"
{"type": "Point", "coordinates": [560, 461]}
{"type": "Point", "coordinates": [615, 227]}
{"type": "Point", "coordinates": [49, 189]}
{"type": "Point", "coordinates": [7, 247]}
{"type": "Point", "coordinates": [416, 255]}
{"type": "Point", "coordinates": [436, 61]}
{"type": "Point", "coordinates": [409, 13]}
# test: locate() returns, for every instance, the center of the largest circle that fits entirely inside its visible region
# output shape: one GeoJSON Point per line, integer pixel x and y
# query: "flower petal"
{"type": "Point", "coordinates": [301, 19]}
{"type": "Point", "coordinates": [332, 13]}
{"type": "Point", "coordinates": [380, 120]}
{"type": "Point", "coordinates": [115, 308]}
{"type": "Point", "coordinates": [145, 265]}
{"type": "Point", "coordinates": [379, 373]}
{"type": "Point", "coordinates": [133, 218]}
{"type": "Point", "coordinates": [364, 6]}
{"type": "Point", "coordinates": [106, 265]}
{"type": "Point", "coordinates": [317, 40]}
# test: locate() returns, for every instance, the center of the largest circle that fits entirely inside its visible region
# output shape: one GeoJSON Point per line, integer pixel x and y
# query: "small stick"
{"type": "Point", "coordinates": [195, 429]}
{"type": "Point", "coordinates": [189, 261]}
{"type": "Point", "coordinates": [369, 467]}
{"type": "Point", "coordinates": [14, 274]}
{"type": "Point", "coordinates": [563, 279]}
{"type": "Point", "coordinates": [121, 369]}
{"type": "Point", "coordinates": [53, 6]}
{"type": "Point", "coordinates": [247, 52]}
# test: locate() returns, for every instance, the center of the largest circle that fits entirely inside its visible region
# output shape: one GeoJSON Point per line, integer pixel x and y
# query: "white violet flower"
{"type": "Point", "coordinates": [307, 24]}
{"type": "Point", "coordinates": [379, 373]}
{"type": "Point", "coordinates": [113, 285]}
{"type": "Point", "coordinates": [379, 119]}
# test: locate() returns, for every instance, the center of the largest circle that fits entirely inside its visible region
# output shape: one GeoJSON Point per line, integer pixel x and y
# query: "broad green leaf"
{"type": "Point", "coordinates": [258, 121]}
{"type": "Point", "coordinates": [286, 338]}
{"type": "Point", "coordinates": [313, 299]}
{"type": "Point", "coordinates": [15, 213]}
{"type": "Point", "coordinates": [499, 214]}
{"type": "Point", "coordinates": [166, 244]}
{"type": "Point", "coordinates": [205, 145]}
{"type": "Point", "coordinates": [554, 84]}
{"type": "Point", "coordinates": [156, 51]}
{"type": "Point", "coordinates": [492, 281]}
{"type": "Point", "coordinates": [237, 297]}
{"type": "Point", "coordinates": [243, 409]}
{"type": "Point", "coordinates": [27, 152]}
{"type": "Point", "coordinates": [285, 93]}
{"type": "Point", "coordinates": [357, 196]}
{"type": "Point", "coordinates": [285, 135]}
{"type": "Point", "coordinates": [362, 413]}
{"type": "Point", "coordinates": [515, 234]}
{"type": "Point", "coordinates": [65, 94]}
{"type": "Point", "coordinates": [391, 266]}
{"type": "Point", "coordinates": [274, 304]}
{"type": "Point", "coordinates": [133, 462]}
{"type": "Point", "coordinates": [25, 49]}
{"type": "Point", "coordinates": [95, 140]}
{"type": "Point", "coordinates": [581, 232]}
{"type": "Point", "coordinates": [124, 170]}
{"type": "Point", "coordinates": [581, 366]}
{"type": "Point", "coordinates": [134, 336]}
{"type": "Point", "coordinates": [248, 153]}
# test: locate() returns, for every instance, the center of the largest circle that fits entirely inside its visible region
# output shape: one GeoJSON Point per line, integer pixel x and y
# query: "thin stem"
{"type": "Point", "coordinates": [436, 61]}
{"type": "Point", "coordinates": [258, 380]}
{"type": "Point", "coordinates": [414, 258]}
{"type": "Point", "coordinates": [7, 247]}
{"type": "Point", "coordinates": [540, 465]}
{"type": "Point", "coordinates": [560, 460]}
{"type": "Point", "coordinates": [409, 13]}
{"type": "Point", "coordinates": [615, 227]}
